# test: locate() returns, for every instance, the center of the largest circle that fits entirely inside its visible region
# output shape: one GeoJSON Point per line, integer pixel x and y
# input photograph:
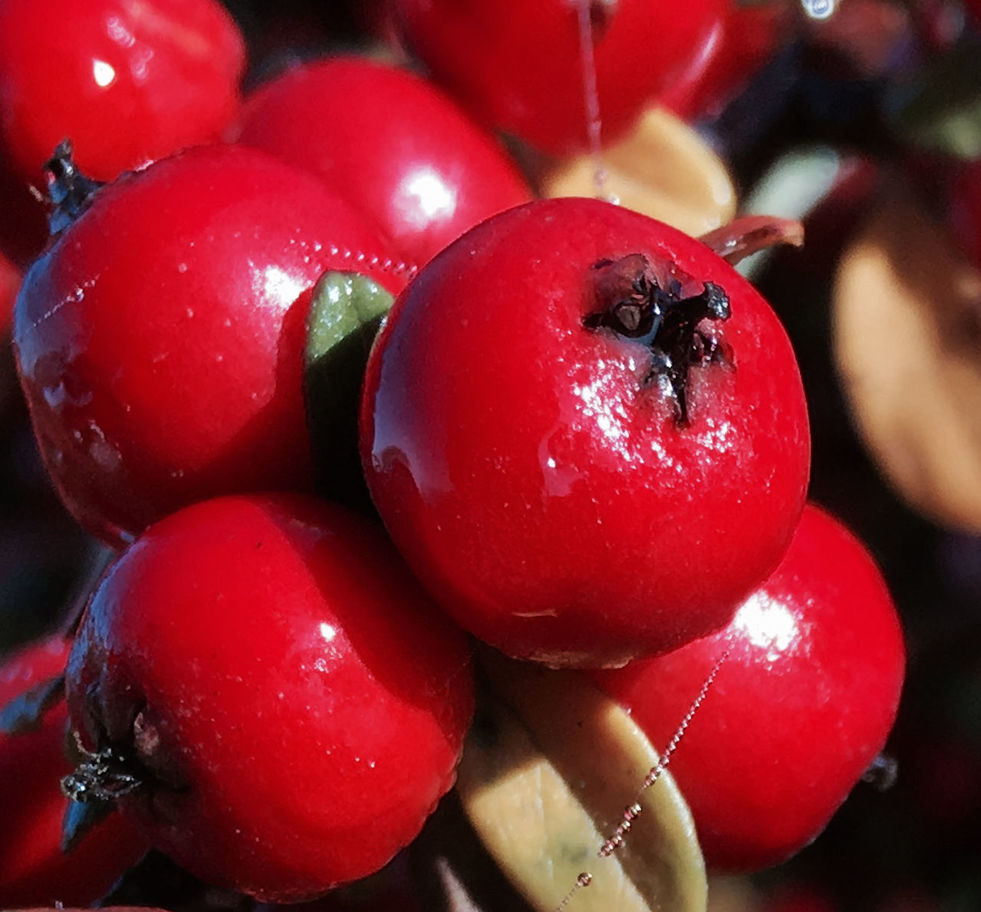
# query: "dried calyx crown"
{"type": "Point", "coordinates": [69, 191]}
{"type": "Point", "coordinates": [634, 303]}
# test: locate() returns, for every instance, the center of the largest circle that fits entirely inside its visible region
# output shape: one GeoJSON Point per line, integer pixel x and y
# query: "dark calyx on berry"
{"type": "Point", "coordinates": [635, 304]}
{"type": "Point", "coordinates": [92, 789]}
{"type": "Point", "coordinates": [69, 190]}
{"type": "Point", "coordinates": [121, 766]}
{"type": "Point", "coordinates": [103, 775]}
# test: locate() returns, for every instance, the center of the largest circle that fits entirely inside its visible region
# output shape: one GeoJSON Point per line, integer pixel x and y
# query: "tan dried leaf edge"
{"type": "Point", "coordinates": [549, 768]}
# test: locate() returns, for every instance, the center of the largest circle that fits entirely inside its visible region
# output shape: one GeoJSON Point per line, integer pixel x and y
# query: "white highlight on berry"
{"type": "Point", "coordinates": [277, 285]}
{"type": "Point", "coordinates": [767, 624]}
{"type": "Point", "coordinates": [424, 196]}
{"type": "Point", "coordinates": [103, 73]}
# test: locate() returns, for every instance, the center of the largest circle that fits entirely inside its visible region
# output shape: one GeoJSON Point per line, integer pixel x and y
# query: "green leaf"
{"type": "Point", "coordinates": [346, 311]}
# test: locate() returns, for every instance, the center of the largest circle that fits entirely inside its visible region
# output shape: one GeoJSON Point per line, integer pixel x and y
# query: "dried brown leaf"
{"type": "Point", "coordinates": [546, 775]}
{"type": "Point", "coordinates": [907, 339]}
{"type": "Point", "coordinates": [663, 169]}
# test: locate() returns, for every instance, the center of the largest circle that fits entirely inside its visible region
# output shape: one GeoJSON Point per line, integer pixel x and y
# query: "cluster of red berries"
{"type": "Point", "coordinates": [584, 433]}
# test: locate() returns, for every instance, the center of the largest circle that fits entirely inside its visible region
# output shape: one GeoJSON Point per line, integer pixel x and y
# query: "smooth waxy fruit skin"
{"type": "Point", "coordinates": [747, 37]}
{"type": "Point", "coordinates": [33, 868]}
{"type": "Point", "coordinates": [518, 65]}
{"type": "Point", "coordinates": [799, 709]}
{"type": "Point", "coordinates": [291, 700]}
{"type": "Point", "coordinates": [127, 82]}
{"type": "Point", "coordinates": [538, 484]}
{"type": "Point", "coordinates": [160, 338]}
{"type": "Point", "coordinates": [405, 153]}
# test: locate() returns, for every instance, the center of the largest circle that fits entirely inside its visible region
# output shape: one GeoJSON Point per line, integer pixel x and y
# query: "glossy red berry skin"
{"type": "Point", "coordinates": [538, 484]}
{"type": "Point", "coordinates": [160, 337]}
{"type": "Point", "coordinates": [518, 65]}
{"type": "Point", "coordinates": [126, 82]}
{"type": "Point", "coordinates": [403, 153]}
{"type": "Point", "coordinates": [294, 699]}
{"type": "Point", "coordinates": [746, 38]}
{"type": "Point", "coordinates": [799, 709]}
{"type": "Point", "coordinates": [33, 868]}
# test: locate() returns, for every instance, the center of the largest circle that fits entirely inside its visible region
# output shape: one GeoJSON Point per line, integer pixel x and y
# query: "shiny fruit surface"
{"type": "Point", "coordinates": [748, 36]}
{"type": "Point", "coordinates": [127, 81]}
{"type": "Point", "coordinates": [160, 337]}
{"type": "Point", "coordinates": [556, 487]}
{"type": "Point", "coordinates": [799, 709]}
{"type": "Point", "coordinates": [519, 65]}
{"type": "Point", "coordinates": [403, 153]}
{"type": "Point", "coordinates": [291, 703]}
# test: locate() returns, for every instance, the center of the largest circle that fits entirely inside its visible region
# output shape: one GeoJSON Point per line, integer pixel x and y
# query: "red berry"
{"type": "Point", "coordinates": [746, 38]}
{"type": "Point", "coordinates": [289, 702]}
{"type": "Point", "coordinates": [160, 338]}
{"type": "Point", "coordinates": [570, 485]}
{"type": "Point", "coordinates": [127, 82]}
{"type": "Point", "coordinates": [518, 65]}
{"type": "Point", "coordinates": [33, 868]}
{"type": "Point", "coordinates": [392, 143]}
{"type": "Point", "coordinates": [799, 709]}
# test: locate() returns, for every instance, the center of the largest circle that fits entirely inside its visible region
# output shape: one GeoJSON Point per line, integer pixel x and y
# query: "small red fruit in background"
{"type": "Point", "coordinates": [747, 37]}
{"type": "Point", "coordinates": [798, 711]}
{"type": "Point", "coordinates": [392, 143]}
{"type": "Point", "coordinates": [290, 703]}
{"type": "Point", "coordinates": [578, 451]}
{"type": "Point", "coordinates": [127, 82]}
{"type": "Point", "coordinates": [160, 337]}
{"type": "Point", "coordinates": [519, 67]}
{"type": "Point", "coordinates": [33, 869]}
